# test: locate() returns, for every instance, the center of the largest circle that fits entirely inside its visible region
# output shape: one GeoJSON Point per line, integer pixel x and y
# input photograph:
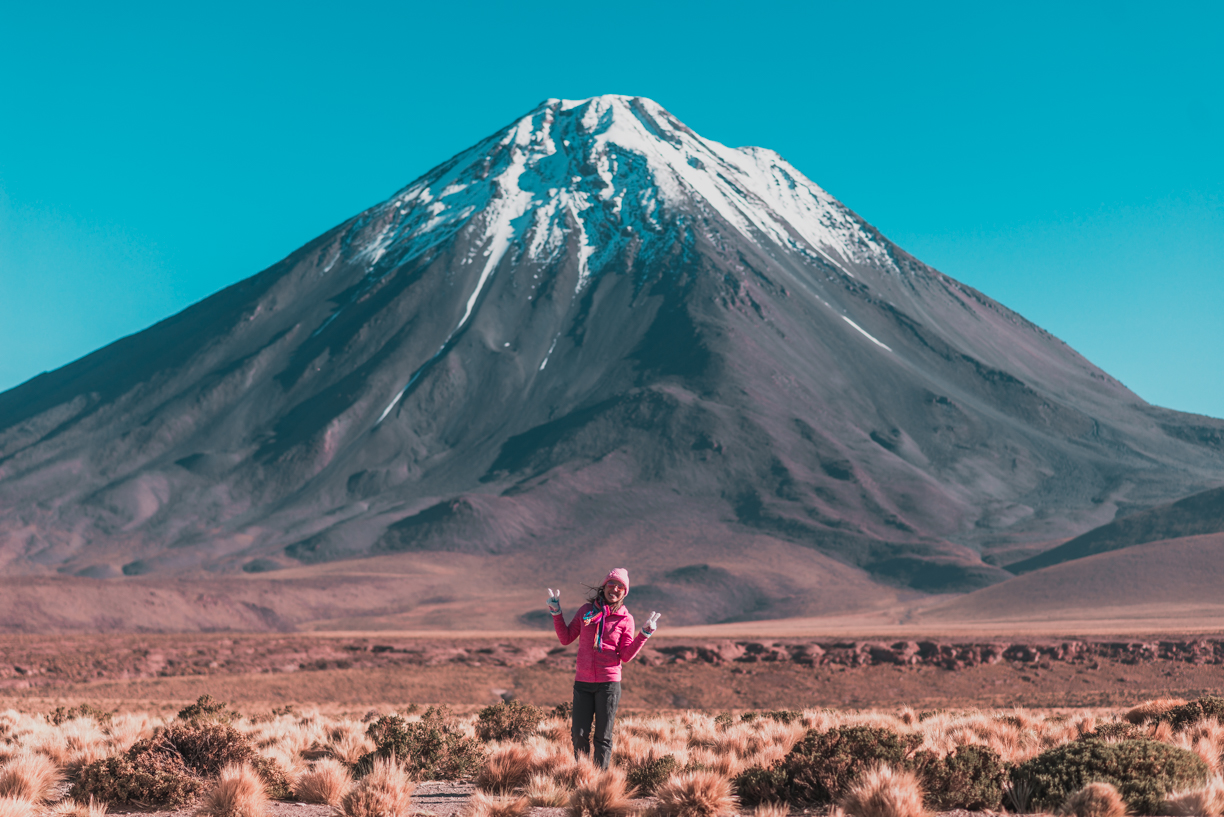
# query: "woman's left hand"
{"type": "Point", "coordinates": [651, 624]}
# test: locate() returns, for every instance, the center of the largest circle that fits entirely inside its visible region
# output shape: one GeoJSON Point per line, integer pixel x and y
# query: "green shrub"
{"type": "Point", "coordinates": [783, 715]}
{"type": "Point", "coordinates": [1143, 771]}
{"type": "Point", "coordinates": [823, 764]}
{"type": "Point", "coordinates": [650, 774]}
{"type": "Point", "coordinates": [756, 785]}
{"type": "Point", "coordinates": [173, 766]}
{"type": "Point", "coordinates": [206, 708]}
{"type": "Point", "coordinates": [508, 721]}
{"type": "Point", "coordinates": [723, 720]}
{"type": "Point", "coordinates": [564, 710]}
{"type": "Point", "coordinates": [1117, 730]}
{"type": "Point", "coordinates": [59, 716]}
{"type": "Point", "coordinates": [432, 748]}
{"type": "Point", "coordinates": [972, 778]}
{"type": "Point", "coordinates": [1179, 717]}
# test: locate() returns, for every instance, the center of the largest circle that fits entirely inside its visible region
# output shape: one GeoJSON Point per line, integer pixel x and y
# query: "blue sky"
{"type": "Point", "coordinates": [1064, 158]}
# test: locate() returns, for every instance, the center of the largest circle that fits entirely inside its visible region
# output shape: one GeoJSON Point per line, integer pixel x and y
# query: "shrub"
{"type": "Point", "coordinates": [512, 720]}
{"type": "Point", "coordinates": [650, 773]}
{"type": "Point", "coordinates": [758, 785]}
{"type": "Point", "coordinates": [695, 794]}
{"type": "Point", "coordinates": [238, 792]}
{"type": "Point", "coordinates": [1116, 730]}
{"type": "Point", "coordinates": [173, 766]}
{"type": "Point", "coordinates": [820, 767]}
{"type": "Point", "coordinates": [433, 748]}
{"type": "Point", "coordinates": [383, 792]}
{"type": "Point", "coordinates": [564, 710]}
{"type": "Point", "coordinates": [786, 716]}
{"type": "Point", "coordinates": [1143, 771]}
{"type": "Point", "coordinates": [1179, 717]}
{"type": "Point", "coordinates": [604, 795]}
{"type": "Point", "coordinates": [882, 791]}
{"type": "Point", "coordinates": [28, 776]}
{"type": "Point", "coordinates": [326, 781]}
{"type": "Point", "coordinates": [1094, 800]}
{"type": "Point", "coordinates": [59, 716]}
{"type": "Point", "coordinates": [206, 708]}
{"type": "Point", "coordinates": [971, 778]}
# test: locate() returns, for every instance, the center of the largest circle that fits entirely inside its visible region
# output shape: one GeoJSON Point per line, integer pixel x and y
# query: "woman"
{"type": "Point", "coordinates": [605, 632]}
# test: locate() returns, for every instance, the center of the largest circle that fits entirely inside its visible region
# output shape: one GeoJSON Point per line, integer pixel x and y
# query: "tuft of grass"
{"type": "Point", "coordinates": [506, 769]}
{"type": "Point", "coordinates": [72, 808]}
{"type": "Point", "coordinates": [238, 792]}
{"type": "Point", "coordinates": [771, 810]}
{"type": "Point", "coordinates": [604, 795]}
{"type": "Point", "coordinates": [481, 804]}
{"type": "Point", "coordinates": [383, 792]}
{"type": "Point", "coordinates": [882, 791]}
{"type": "Point", "coordinates": [543, 790]}
{"type": "Point", "coordinates": [695, 794]}
{"type": "Point", "coordinates": [29, 776]}
{"type": "Point", "coordinates": [1152, 710]}
{"type": "Point", "coordinates": [1094, 800]}
{"type": "Point", "coordinates": [1207, 801]}
{"type": "Point", "coordinates": [326, 781]}
{"type": "Point", "coordinates": [17, 807]}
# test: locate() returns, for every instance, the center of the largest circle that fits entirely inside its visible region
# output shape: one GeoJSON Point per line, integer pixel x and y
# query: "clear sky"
{"type": "Point", "coordinates": [1065, 158]}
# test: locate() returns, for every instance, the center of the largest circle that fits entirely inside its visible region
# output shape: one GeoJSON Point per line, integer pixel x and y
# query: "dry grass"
{"type": "Point", "coordinates": [485, 805]}
{"type": "Point", "coordinates": [17, 807]}
{"type": "Point", "coordinates": [696, 794]}
{"type": "Point", "coordinates": [1094, 800]}
{"type": "Point", "coordinates": [507, 768]}
{"type": "Point", "coordinates": [72, 808]}
{"type": "Point", "coordinates": [884, 792]}
{"type": "Point", "coordinates": [384, 792]}
{"type": "Point", "coordinates": [543, 790]}
{"type": "Point", "coordinates": [1205, 802]}
{"type": "Point", "coordinates": [326, 781]}
{"type": "Point", "coordinates": [29, 776]}
{"type": "Point", "coordinates": [238, 792]}
{"type": "Point", "coordinates": [771, 810]}
{"type": "Point", "coordinates": [606, 795]}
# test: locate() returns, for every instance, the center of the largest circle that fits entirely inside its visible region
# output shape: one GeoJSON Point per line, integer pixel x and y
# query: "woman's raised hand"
{"type": "Point", "coordinates": [554, 601]}
{"type": "Point", "coordinates": [651, 624]}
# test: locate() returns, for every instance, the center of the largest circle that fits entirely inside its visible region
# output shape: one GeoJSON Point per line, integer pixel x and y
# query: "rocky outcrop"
{"type": "Point", "coordinates": [27, 662]}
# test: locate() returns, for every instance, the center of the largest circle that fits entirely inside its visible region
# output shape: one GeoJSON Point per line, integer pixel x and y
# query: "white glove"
{"type": "Point", "coordinates": [554, 601]}
{"type": "Point", "coordinates": [651, 624]}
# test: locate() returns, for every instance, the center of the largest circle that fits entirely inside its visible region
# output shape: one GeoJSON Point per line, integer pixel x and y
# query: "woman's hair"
{"type": "Point", "coordinates": [596, 594]}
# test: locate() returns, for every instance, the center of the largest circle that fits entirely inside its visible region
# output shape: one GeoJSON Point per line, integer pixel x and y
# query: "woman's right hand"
{"type": "Point", "coordinates": [554, 601]}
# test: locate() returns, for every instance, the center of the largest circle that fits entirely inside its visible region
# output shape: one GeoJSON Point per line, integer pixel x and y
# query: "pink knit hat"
{"type": "Point", "coordinates": [621, 575]}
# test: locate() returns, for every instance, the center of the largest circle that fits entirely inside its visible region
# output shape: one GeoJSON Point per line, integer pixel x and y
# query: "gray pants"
{"type": "Point", "coordinates": [597, 701]}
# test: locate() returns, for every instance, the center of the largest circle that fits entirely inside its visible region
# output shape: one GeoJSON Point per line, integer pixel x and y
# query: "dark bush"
{"type": "Point", "coordinates": [206, 708]}
{"type": "Point", "coordinates": [783, 715]}
{"type": "Point", "coordinates": [650, 774]}
{"type": "Point", "coordinates": [1117, 730]}
{"type": "Point", "coordinates": [723, 720]}
{"type": "Point", "coordinates": [821, 765]}
{"type": "Point", "coordinates": [431, 749]}
{"type": "Point", "coordinates": [1143, 771]}
{"type": "Point", "coordinates": [1179, 717]}
{"type": "Point", "coordinates": [511, 720]}
{"type": "Point", "coordinates": [173, 766]}
{"type": "Point", "coordinates": [564, 710]}
{"type": "Point", "coordinates": [972, 778]}
{"type": "Point", "coordinates": [756, 785]}
{"type": "Point", "coordinates": [59, 716]}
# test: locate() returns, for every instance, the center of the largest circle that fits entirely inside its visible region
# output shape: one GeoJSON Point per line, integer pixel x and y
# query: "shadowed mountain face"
{"type": "Point", "coordinates": [593, 331]}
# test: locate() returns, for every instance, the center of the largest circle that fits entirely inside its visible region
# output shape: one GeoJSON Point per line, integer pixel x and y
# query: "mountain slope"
{"type": "Point", "coordinates": [1195, 515]}
{"type": "Point", "coordinates": [592, 332]}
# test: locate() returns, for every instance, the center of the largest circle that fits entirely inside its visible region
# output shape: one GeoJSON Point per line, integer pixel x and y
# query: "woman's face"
{"type": "Point", "coordinates": [614, 592]}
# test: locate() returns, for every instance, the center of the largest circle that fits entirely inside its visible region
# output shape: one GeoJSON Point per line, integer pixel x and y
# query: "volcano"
{"type": "Point", "coordinates": [593, 337]}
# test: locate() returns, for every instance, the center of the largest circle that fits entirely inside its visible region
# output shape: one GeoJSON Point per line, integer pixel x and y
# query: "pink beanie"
{"type": "Point", "coordinates": [621, 575]}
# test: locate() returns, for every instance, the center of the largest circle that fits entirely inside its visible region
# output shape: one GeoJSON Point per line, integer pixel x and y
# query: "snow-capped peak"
{"type": "Point", "coordinates": [606, 171]}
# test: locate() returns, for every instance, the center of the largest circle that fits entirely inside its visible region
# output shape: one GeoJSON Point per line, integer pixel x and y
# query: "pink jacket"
{"type": "Point", "coordinates": [619, 643]}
